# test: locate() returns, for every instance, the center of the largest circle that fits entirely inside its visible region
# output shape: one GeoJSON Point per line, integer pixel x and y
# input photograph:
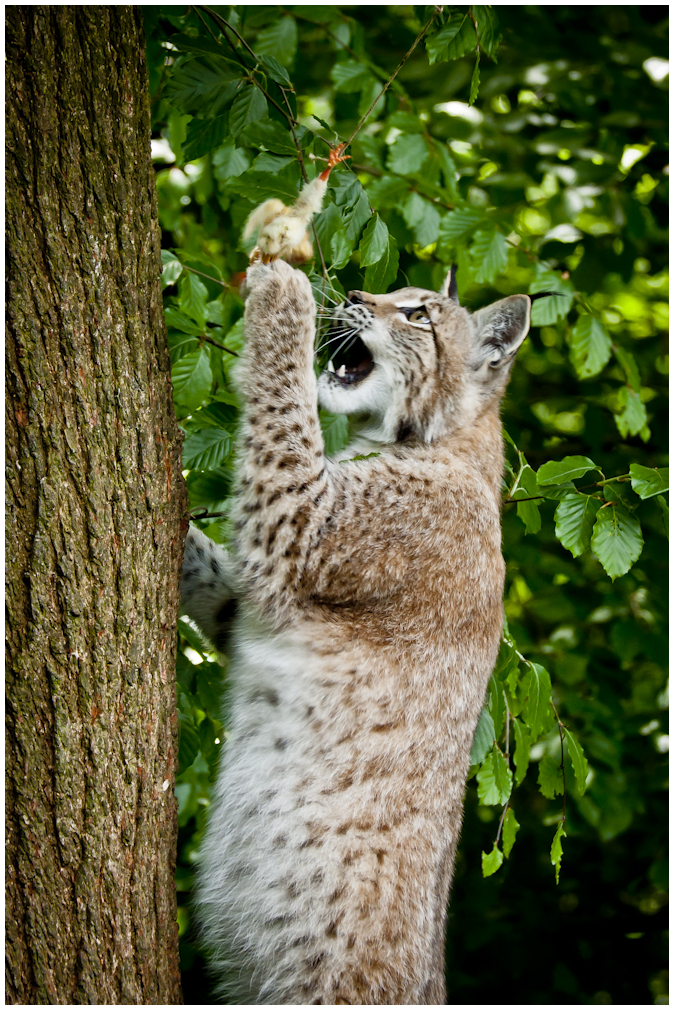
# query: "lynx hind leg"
{"type": "Point", "coordinates": [207, 592]}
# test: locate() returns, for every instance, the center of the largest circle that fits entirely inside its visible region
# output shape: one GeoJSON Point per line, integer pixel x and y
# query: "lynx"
{"type": "Point", "coordinates": [368, 595]}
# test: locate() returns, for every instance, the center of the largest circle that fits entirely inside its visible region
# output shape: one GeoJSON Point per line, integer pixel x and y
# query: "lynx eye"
{"type": "Point", "coordinates": [419, 315]}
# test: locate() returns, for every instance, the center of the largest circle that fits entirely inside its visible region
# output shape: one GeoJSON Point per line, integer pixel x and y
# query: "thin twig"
{"type": "Point", "coordinates": [194, 270]}
{"type": "Point", "coordinates": [438, 10]}
{"type": "Point", "coordinates": [217, 17]}
{"type": "Point", "coordinates": [500, 823]}
{"type": "Point", "coordinates": [209, 340]}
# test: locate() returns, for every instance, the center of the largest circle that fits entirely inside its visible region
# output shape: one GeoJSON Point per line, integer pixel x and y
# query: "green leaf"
{"type": "Point", "coordinates": [335, 428]}
{"type": "Point", "coordinates": [550, 781]}
{"type": "Point", "coordinates": [574, 520]}
{"type": "Point", "coordinates": [179, 321]}
{"type": "Point", "coordinates": [566, 469]}
{"type": "Point", "coordinates": [522, 748]}
{"type": "Point", "coordinates": [275, 138]}
{"type": "Point", "coordinates": [490, 250]}
{"type": "Point", "coordinates": [407, 154]}
{"type": "Point", "coordinates": [578, 760]}
{"type": "Point", "coordinates": [279, 41]}
{"type": "Point", "coordinates": [275, 70]}
{"type": "Point", "coordinates": [459, 224]}
{"type": "Point", "coordinates": [229, 161]}
{"type": "Point", "coordinates": [629, 367]}
{"type": "Point", "coordinates": [527, 511]}
{"type": "Point", "coordinates": [496, 705]}
{"type": "Point", "coordinates": [192, 297]}
{"type": "Point", "coordinates": [616, 539]}
{"type": "Point", "coordinates": [475, 80]}
{"type": "Point", "coordinates": [647, 481]}
{"type": "Point", "coordinates": [510, 828]}
{"type": "Point", "coordinates": [556, 850]}
{"type": "Point", "coordinates": [536, 709]}
{"type": "Point", "coordinates": [452, 41]}
{"type": "Point", "coordinates": [631, 419]}
{"type": "Point", "coordinates": [209, 687]}
{"type": "Point", "coordinates": [359, 214]}
{"type": "Point", "coordinates": [188, 746]}
{"type": "Point", "coordinates": [258, 186]}
{"type": "Point", "coordinates": [557, 492]}
{"type": "Point", "coordinates": [192, 378]}
{"type": "Point", "coordinates": [662, 502]}
{"type": "Point", "coordinates": [374, 243]}
{"type": "Point", "coordinates": [487, 28]}
{"type": "Point", "coordinates": [349, 76]}
{"type": "Point", "coordinates": [494, 779]}
{"type": "Point", "coordinates": [172, 268]}
{"type": "Point", "coordinates": [248, 106]}
{"type": "Point", "coordinates": [204, 136]}
{"type": "Point", "coordinates": [204, 86]}
{"type": "Point", "coordinates": [382, 274]}
{"type": "Point", "coordinates": [340, 249]}
{"type": "Point", "coordinates": [589, 347]}
{"type": "Point", "coordinates": [207, 737]}
{"type": "Point", "coordinates": [491, 861]}
{"type": "Point", "coordinates": [423, 218]}
{"type": "Point", "coordinates": [206, 449]}
{"type": "Point", "coordinates": [548, 311]}
{"type": "Point", "coordinates": [483, 740]}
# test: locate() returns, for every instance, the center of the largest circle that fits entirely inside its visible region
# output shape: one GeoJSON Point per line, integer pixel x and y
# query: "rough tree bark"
{"type": "Point", "coordinates": [95, 504]}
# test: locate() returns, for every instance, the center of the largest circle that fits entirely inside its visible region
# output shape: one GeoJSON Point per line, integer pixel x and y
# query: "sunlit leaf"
{"type": "Point", "coordinates": [490, 251]}
{"type": "Point", "coordinates": [574, 521]}
{"type": "Point", "coordinates": [381, 274]}
{"type": "Point", "coordinates": [578, 761]}
{"type": "Point", "coordinates": [335, 428]}
{"type": "Point", "coordinates": [192, 297]}
{"type": "Point", "coordinates": [556, 850]}
{"type": "Point", "coordinates": [374, 243]}
{"type": "Point", "coordinates": [589, 347]}
{"type": "Point", "coordinates": [565, 470]}
{"type": "Point", "coordinates": [491, 861]}
{"type": "Point", "coordinates": [206, 449]}
{"type": "Point", "coordinates": [408, 153]}
{"type": "Point", "coordinates": [487, 28]}
{"type": "Point", "coordinates": [616, 539]}
{"type": "Point", "coordinates": [192, 377]}
{"type": "Point", "coordinates": [536, 711]}
{"type": "Point", "coordinates": [510, 828]}
{"type": "Point", "coordinates": [550, 780]}
{"type": "Point", "coordinates": [648, 481]}
{"type": "Point", "coordinates": [632, 419]}
{"type": "Point", "coordinates": [483, 740]}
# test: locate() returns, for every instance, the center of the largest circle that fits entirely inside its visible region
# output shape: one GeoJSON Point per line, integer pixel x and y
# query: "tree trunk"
{"type": "Point", "coordinates": [96, 507]}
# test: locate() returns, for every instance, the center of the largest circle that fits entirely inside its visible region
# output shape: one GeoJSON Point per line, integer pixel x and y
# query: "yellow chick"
{"type": "Point", "coordinates": [283, 230]}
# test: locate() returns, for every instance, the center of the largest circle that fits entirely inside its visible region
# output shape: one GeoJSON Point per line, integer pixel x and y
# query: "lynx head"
{"type": "Point", "coordinates": [414, 362]}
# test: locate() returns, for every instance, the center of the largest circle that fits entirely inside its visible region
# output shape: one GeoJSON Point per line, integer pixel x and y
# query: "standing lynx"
{"type": "Point", "coordinates": [368, 596]}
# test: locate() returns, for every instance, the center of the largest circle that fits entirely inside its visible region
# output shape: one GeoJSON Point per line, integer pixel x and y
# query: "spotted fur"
{"type": "Point", "coordinates": [369, 615]}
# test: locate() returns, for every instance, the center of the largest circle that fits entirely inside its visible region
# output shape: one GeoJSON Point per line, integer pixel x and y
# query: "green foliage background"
{"type": "Point", "coordinates": [544, 172]}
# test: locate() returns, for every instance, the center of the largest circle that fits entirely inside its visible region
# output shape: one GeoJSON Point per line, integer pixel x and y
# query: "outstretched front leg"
{"type": "Point", "coordinates": [207, 593]}
{"type": "Point", "coordinates": [283, 483]}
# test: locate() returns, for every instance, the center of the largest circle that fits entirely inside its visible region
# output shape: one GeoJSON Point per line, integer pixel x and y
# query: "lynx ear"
{"type": "Point", "coordinates": [449, 289]}
{"type": "Point", "coordinates": [500, 329]}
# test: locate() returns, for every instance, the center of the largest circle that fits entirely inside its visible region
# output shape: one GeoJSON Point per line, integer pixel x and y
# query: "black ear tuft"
{"type": "Point", "coordinates": [500, 329]}
{"type": "Point", "coordinates": [449, 288]}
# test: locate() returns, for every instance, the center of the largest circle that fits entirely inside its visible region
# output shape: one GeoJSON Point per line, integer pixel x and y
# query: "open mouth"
{"type": "Point", "coordinates": [351, 362]}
